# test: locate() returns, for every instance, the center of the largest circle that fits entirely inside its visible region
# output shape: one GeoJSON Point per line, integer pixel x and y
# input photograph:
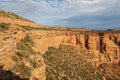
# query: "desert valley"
{"type": "Point", "coordinates": [29, 51]}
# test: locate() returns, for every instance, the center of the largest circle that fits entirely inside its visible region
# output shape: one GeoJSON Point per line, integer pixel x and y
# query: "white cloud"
{"type": "Point", "coordinates": [55, 7]}
{"type": "Point", "coordinates": [48, 11]}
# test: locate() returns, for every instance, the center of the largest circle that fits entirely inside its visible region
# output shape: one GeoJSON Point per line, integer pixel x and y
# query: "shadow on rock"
{"type": "Point", "coordinates": [8, 75]}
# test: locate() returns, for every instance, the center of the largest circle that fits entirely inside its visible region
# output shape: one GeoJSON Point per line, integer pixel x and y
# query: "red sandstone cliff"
{"type": "Point", "coordinates": [104, 43]}
{"type": "Point", "coordinates": [100, 43]}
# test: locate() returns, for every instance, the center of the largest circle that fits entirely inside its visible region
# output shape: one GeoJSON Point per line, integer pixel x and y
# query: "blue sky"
{"type": "Point", "coordinates": [94, 14]}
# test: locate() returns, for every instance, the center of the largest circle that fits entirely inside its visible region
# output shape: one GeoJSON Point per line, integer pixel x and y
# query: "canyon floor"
{"type": "Point", "coordinates": [29, 51]}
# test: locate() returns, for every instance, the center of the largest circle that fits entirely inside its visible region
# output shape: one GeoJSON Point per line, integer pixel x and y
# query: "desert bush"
{"type": "Point", "coordinates": [68, 63]}
{"type": "Point", "coordinates": [109, 71]}
{"type": "Point", "coordinates": [15, 58]}
{"type": "Point", "coordinates": [25, 58]}
{"type": "Point", "coordinates": [23, 70]}
{"type": "Point", "coordinates": [28, 28]}
{"type": "Point", "coordinates": [22, 54]}
{"type": "Point", "coordinates": [4, 26]}
{"type": "Point", "coordinates": [25, 45]}
{"type": "Point", "coordinates": [35, 63]}
{"type": "Point", "coordinates": [24, 50]}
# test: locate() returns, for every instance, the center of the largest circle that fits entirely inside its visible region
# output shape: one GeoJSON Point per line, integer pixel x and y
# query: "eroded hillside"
{"type": "Point", "coordinates": [100, 43]}
{"type": "Point", "coordinates": [36, 52]}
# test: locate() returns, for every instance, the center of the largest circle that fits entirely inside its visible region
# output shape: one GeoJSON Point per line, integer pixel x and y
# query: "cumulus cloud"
{"type": "Point", "coordinates": [63, 12]}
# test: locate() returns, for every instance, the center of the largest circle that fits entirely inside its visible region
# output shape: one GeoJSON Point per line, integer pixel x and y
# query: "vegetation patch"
{"type": "Point", "coordinates": [28, 28]}
{"type": "Point", "coordinates": [35, 63]}
{"type": "Point", "coordinates": [22, 54]}
{"type": "Point", "coordinates": [26, 58]}
{"type": "Point", "coordinates": [68, 63]}
{"type": "Point", "coordinates": [25, 46]}
{"type": "Point", "coordinates": [4, 26]}
{"type": "Point", "coordinates": [110, 71]}
{"type": "Point", "coordinates": [23, 70]}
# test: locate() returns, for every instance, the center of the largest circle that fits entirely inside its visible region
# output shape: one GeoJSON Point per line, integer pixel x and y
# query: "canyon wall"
{"type": "Point", "coordinates": [106, 43]}
{"type": "Point", "coordinates": [99, 43]}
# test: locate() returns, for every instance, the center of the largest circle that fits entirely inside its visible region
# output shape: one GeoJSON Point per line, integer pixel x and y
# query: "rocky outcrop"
{"type": "Point", "coordinates": [104, 43]}
{"type": "Point", "coordinates": [80, 41]}
{"type": "Point", "coordinates": [100, 43]}
{"type": "Point", "coordinates": [110, 49]}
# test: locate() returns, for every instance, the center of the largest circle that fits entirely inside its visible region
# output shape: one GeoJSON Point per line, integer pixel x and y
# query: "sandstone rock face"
{"type": "Point", "coordinates": [19, 35]}
{"type": "Point", "coordinates": [92, 42]}
{"type": "Point", "coordinates": [44, 43]}
{"type": "Point", "coordinates": [110, 49]}
{"type": "Point", "coordinates": [44, 39]}
{"type": "Point", "coordinates": [80, 41]}
{"type": "Point", "coordinates": [69, 39]}
{"type": "Point", "coordinates": [105, 44]}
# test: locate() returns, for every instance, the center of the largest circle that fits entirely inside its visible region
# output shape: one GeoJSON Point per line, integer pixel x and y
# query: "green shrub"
{"type": "Point", "coordinates": [22, 54]}
{"type": "Point", "coordinates": [23, 70]}
{"type": "Point", "coordinates": [15, 58]}
{"type": "Point", "coordinates": [24, 51]}
{"type": "Point", "coordinates": [25, 46]}
{"type": "Point", "coordinates": [4, 26]}
{"type": "Point", "coordinates": [35, 64]}
{"type": "Point", "coordinates": [28, 39]}
{"type": "Point", "coordinates": [28, 28]}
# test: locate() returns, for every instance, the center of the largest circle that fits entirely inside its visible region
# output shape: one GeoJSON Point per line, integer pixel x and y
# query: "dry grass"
{"type": "Point", "coordinates": [68, 63]}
